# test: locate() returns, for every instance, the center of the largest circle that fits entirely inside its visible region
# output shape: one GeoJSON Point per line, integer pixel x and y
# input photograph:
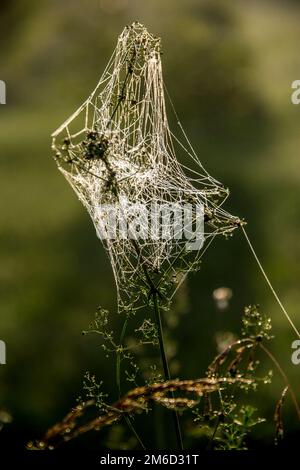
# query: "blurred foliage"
{"type": "Point", "coordinates": [228, 67]}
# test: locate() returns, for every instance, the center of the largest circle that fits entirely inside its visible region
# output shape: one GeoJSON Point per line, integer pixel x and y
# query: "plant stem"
{"type": "Point", "coordinates": [284, 376]}
{"type": "Point", "coordinates": [122, 95]}
{"type": "Point", "coordinates": [132, 429]}
{"type": "Point", "coordinates": [211, 440]}
{"type": "Point", "coordinates": [159, 431]}
{"type": "Point", "coordinates": [118, 381]}
{"type": "Point", "coordinates": [154, 292]}
{"type": "Point", "coordinates": [165, 365]}
{"type": "Point", "coordinates": [118, 362]}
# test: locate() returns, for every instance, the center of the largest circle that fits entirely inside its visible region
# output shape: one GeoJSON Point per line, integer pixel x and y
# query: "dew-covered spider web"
{"type": "Point", "coordinates": [117, 150]}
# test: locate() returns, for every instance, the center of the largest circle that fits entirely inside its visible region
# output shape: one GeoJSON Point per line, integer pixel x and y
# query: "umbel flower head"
{"type": "Point", "coordinates": [152, 212]}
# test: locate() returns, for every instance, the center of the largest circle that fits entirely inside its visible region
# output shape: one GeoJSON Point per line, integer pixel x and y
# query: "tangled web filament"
{"type": "Point", "coordinates": [117, 150]}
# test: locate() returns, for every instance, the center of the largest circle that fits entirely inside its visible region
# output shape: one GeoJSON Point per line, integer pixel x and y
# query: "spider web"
{"type": "Point", "coordinates": [117, 149]}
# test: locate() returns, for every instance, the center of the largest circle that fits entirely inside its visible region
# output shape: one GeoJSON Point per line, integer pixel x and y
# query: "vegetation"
{"type": "Point", "coordinates": [222, 414]}
{"type": "Point", "coordinates": [237, 66]}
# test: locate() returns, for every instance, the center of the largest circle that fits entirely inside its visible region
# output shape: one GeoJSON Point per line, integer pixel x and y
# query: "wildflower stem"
{"type": "Point", "coordinates": [165, 365]}
{"type": "Point", "coordinates": [122, 94]}
{"type": "Point", "coordinates": [118, 363]}
{"type": "Point", "coordinates": [154, 292]}
{"type": "Point", "coordinates": [132, 429]}
{"type": "Point", "coordinates": [284, 376]}
{"type": "Point", "coordinates": [211, 441]}
{"type": "Point", "coordinates": [118, 381]}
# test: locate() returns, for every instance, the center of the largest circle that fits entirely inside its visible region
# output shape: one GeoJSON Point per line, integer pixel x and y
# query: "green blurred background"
{"type": "Point", "coordinates": [228, 67]}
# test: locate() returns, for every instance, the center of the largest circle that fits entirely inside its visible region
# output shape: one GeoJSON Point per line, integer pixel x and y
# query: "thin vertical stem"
{"type": "Point", "coordinates": [284, 376]}
{"type": "Point", "coordinates": [165, 365]}
{"type": "Point", "coordinates": [118, 381]}
{"type": "Point", "coordinates": [154, 293]}
{"type": "Point", "coordinates": [118, 362]}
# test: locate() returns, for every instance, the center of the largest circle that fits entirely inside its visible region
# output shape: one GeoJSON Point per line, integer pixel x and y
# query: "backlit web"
{"type": "Point", "coordinates": [117, 149]}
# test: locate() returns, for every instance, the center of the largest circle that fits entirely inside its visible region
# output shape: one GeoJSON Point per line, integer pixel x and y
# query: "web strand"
{"type": "Point", "coordinates": [117, 149]}
{"type": "Point", "coordinates": [269, 283]}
